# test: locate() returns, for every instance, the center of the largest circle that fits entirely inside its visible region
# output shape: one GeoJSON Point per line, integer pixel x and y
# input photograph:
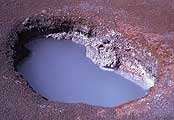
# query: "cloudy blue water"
{"type": "Point", "coordinates": [60, 71]}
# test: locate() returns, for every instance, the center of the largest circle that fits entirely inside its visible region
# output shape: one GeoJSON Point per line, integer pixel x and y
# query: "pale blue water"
{"type": "Point", "coordinates": [60, 71]}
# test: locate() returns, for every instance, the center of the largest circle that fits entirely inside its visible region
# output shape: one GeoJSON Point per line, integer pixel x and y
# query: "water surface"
{"type": "Point", "coordinates": [60, 71]}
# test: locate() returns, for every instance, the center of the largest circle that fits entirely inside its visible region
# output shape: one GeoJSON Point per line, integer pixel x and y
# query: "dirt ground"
{"type": "Point", "coordinates": [149, 22]}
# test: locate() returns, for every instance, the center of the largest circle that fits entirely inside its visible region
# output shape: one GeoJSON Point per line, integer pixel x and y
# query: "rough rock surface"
{"type": "Point", "coordinates": [142, 30]}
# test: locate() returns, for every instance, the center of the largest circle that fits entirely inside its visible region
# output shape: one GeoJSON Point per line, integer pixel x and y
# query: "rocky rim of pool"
{"type": "Point", "coordinates": [118, 46]}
